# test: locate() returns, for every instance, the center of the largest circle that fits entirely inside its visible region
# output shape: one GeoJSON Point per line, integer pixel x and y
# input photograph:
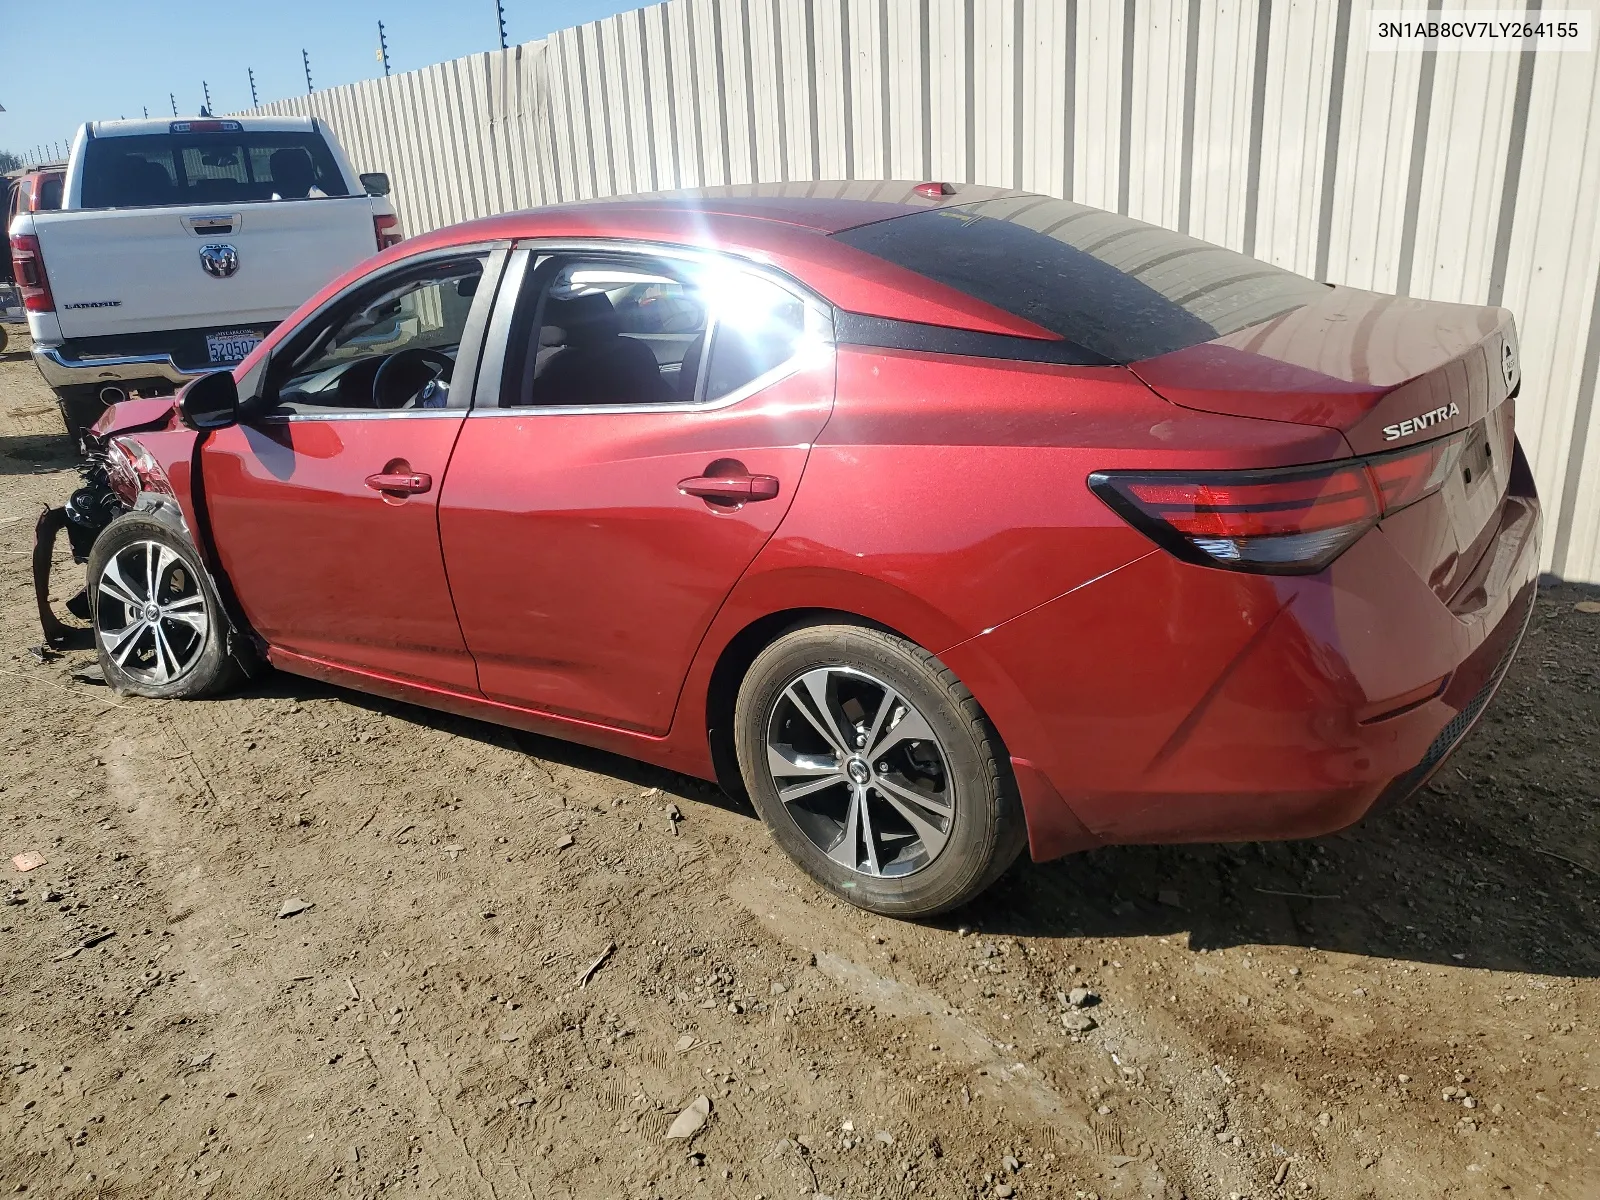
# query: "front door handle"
{"type": "Point", "coordinates": [730, 489]}
{"type": "Point", "coordinates": [407, 483]}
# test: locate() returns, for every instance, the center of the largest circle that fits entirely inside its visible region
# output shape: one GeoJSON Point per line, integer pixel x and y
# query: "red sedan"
{"type": "Point", "coordinates": [941, 520]}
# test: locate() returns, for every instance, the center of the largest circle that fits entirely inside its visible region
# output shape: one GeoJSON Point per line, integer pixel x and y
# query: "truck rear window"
{"type": "Point", "coordinates": [149, 170]}
{"type": "Point", "coordinates": [1119, 288]}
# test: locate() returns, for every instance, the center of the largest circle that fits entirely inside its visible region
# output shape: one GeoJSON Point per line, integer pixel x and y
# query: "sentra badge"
{"type": "Point", "coordinates": [1421, 421]}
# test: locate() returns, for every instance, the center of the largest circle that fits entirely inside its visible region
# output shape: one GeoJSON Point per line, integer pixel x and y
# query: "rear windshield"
{"type": "Point", "coordinates": [149, 170]}
{"type": "Point", "coordinates": [49, 193]}
{"type": "Point", "coordinates": [1117, 287]}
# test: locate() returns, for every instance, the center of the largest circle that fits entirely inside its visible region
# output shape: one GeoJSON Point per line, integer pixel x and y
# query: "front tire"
{"type": "Point", "coordinates": [876, 770]}
{"type": "Point", "coordinates": [158, 625]}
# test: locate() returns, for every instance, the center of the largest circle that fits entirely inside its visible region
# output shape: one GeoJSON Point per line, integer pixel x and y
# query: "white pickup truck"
{"type": "Point", "coordinates": [178, 246]}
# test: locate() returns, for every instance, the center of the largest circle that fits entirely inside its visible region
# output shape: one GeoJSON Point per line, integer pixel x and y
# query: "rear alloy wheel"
{"type": "Point", "coordinates": [157, 623]}
{"type": "Point", "coordinates": [876, 770]}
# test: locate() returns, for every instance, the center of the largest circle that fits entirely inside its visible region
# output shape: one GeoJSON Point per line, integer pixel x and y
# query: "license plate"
{"type": "Point", "coordinates": [232, 346]}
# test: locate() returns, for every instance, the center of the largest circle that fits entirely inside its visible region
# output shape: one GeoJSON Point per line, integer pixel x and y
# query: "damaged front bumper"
{"type": "Point", "coordinates": [89, 510]}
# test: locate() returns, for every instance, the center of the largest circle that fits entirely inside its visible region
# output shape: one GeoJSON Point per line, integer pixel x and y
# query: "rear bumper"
{"type": "Point", "coordinates": [63, 370]}
{"type": "Point", "coordinates": [1174, 703]}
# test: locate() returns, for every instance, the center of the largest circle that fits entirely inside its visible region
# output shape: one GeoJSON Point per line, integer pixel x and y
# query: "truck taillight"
{"type": "Point", "coordinates": [387, 229]}
{"type": "Point", "coordinates": [27, 264]}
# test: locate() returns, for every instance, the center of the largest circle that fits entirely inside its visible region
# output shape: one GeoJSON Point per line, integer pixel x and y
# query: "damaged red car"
{"type": "Point", "coordinates": [939, 520]}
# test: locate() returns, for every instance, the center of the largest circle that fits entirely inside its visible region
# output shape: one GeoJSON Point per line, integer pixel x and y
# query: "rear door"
{"type": "Point", "coordinates": [595, 518]}
{"type": "Point", "coordinates": [181, 230]}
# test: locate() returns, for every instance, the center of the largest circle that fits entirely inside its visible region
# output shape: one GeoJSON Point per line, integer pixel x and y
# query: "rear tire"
{"type": "Point", "coordinates": [80, 408]}
{"type": "Point", "coordinates": [159, 627]}
{"type": "Point", "coordinates": [918, 812]}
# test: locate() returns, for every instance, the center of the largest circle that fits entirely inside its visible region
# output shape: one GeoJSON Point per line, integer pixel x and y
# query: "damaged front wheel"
{"type": "Point", "coordinates": [158, 626]}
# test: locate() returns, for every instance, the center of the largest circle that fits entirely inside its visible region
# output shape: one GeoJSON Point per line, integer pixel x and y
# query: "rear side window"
{"type": "Point", "coordinates": [1119, 288]}
{"type": "Point", "coordinates": [624, 329]}
{"type": "Point", "coordinates": [150, 170]}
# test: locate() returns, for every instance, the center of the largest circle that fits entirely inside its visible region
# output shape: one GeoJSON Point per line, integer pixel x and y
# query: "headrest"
{"type": "Point", "coordinates": [587, 318]}
{"type": "Point", "coordinates": [292, 170]}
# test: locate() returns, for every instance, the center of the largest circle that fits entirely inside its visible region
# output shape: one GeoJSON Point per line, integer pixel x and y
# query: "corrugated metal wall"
{"type": "Point", "coordinates": [1264, 125]}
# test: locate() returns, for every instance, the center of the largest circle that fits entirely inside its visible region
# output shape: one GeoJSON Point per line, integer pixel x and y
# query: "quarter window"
{"type": "Point", "coordinates": [759, 327]}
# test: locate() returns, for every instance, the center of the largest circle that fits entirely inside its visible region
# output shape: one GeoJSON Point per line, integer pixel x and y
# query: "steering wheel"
{"type": "Point", "coordinates": [406, 373]}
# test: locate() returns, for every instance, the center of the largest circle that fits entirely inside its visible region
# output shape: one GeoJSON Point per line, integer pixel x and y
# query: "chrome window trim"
{"type": "Point", "coordinates": [819, 326]}
{"type": "Point", "coordinates": [349, 414]}
{"type": "Point", "coordinates": [473, 333]}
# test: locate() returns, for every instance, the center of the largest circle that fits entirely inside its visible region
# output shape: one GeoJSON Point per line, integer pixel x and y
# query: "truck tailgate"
{"type": "Point", "coordinates": [140, 270]}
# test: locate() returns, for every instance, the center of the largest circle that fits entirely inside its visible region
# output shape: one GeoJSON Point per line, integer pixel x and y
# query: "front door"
{"type": "Point", "coordinates": [654, 420]}
{"type": "Point", "coordinates": [325, 507]}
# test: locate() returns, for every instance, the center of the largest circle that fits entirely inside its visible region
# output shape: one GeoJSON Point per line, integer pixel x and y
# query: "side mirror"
{"type": "Point", "coordinates": [376, 183]}
{"type": "Point", "coordinates": [210, 402]}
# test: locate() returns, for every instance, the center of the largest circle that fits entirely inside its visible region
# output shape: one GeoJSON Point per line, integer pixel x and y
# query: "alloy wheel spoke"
{"type": "Point", "coordinates": [886, 706]}
{"type": "Point", "coordinates": [185, 603]}
{"type": "Point", "coordinates": [810, 787]}
{"type": "Point", "coordinates": [160, 559]}
{"type": "Point", "coordinates": [844, 850]}
{"type": "Point", "coordinates": [868, 839]}
{"type": "Point", "coordinates": [114, 585]}
{"type": "Point", "coordinates": [166, 661]}
{"type": "Point", "coordinates": [195, 621]}
{"type": "Point", "coordinates": [784, 761]}
{"type": "Point", "coordinates": [823, 712]}
{"type": "Point", "coordinates": [914, 807]}
{"type": "Point", "coordinates": [120, 642]}
{"type": "Point", "coordinates": [911, 726]}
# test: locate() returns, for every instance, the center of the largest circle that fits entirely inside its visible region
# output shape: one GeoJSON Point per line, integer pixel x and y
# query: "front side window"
{"type": "Point", "coordinates": [150, 170]}
{"type": "Point", "coordinates": [393, 347]}
{"type": "Point", "coordinates": [630, 330]}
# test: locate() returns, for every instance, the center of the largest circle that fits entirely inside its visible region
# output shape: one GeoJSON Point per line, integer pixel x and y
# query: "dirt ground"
{"type": "Point", "coordinates": [516, 968]}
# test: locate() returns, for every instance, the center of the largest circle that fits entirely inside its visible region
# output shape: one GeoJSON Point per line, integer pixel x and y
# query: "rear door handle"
{"type": "Point", "coordinates": [730, 488]}
{"type": "Point", "coordinates": [405, 483]}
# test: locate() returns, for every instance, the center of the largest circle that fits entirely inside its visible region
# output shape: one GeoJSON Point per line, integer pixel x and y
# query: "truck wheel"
{"type": "Point", "coordinates": [80, 408]}
{"type": "Point", "coordinates": [158, 624]}
{"type": "Point", "coordinates": [876, 770]}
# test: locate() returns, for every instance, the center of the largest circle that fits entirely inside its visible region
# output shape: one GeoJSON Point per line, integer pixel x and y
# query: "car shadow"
{"type": "Point", "coordinates": [632, 772]}
{"type": "Point", "coordinates": [1495, 865]}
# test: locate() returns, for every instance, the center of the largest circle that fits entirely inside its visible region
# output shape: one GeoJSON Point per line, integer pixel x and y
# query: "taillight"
{"type": "Point", "coordinates": [1407, 476]}
{"type": "Point", "coordinates": [387, 229]}
{"type": "Point", "coordinates": [27, 264]}
{"type": "Point", "coordinates": [1292, 521]}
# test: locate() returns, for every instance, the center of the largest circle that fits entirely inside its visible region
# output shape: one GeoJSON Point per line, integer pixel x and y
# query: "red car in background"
{"type": "Point", "coordinates": [941, 520]}
{"type": "Point", "coordinates": [36, 191]}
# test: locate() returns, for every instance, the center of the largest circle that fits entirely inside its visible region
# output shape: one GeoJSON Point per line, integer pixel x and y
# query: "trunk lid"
{"type": "Point", "coordinates": [123, 271]}
{"type": "Point", "coordinates": [1386, 371]}
{"type": "Point", "coordinates": [1389, 373]}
